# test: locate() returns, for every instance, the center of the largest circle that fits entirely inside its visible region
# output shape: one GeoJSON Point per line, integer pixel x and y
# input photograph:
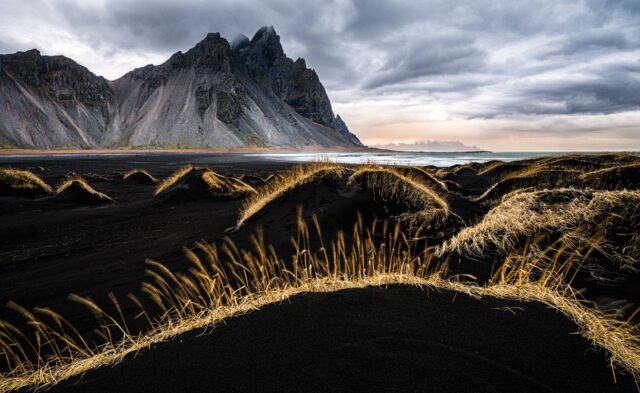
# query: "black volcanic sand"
{"type": "Point", "coordinates": [49, 249]}
{"type": "Point", "coordinates": [395, 339]}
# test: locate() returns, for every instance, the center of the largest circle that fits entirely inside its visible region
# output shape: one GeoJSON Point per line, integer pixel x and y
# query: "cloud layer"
{"type": "Point", "coordinates": [535, 75]}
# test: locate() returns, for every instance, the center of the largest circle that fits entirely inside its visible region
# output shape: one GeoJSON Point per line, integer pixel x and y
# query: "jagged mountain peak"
{"type": "Point", "coordinates": [216, 94]}
{"type": "Point", "coordinates": [240, 42]}
{"type": "Point", "coordinates": [212, 42]}
{"type": "Point", "coordinates": [265, 33]}
{"type": "Point", "coordinates": [28, 53]}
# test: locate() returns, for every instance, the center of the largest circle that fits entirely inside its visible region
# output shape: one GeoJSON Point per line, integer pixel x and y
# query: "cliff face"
{"type": "Point", "coordinates": [210, 96]}
{"type": "Point", "coordinates": [265, 62]}
{"type": "Point", "coordinates": [48, 101]}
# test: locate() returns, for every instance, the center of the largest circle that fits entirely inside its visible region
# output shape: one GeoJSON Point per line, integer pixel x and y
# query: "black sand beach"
{"type": "Point", "coordinates": [374, 339]}
{"type": "Point", "coordinates": [395, 339]}
{"type": "Point", "coordinates": [49, 250]}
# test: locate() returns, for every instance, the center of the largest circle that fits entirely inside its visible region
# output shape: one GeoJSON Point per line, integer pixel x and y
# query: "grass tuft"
{"type": "Point", "coordinates": [76, 189]}
{"type": "Point", "coordinates": [617, 177]}
{"type": "Point", "coordinates": [224, 282]}
{"type": "Point", "coordinates": [426, 178]}
{"type": "Point", "coordinates": [18, 182]}
{"type": "Point", "coordinates": [577, 216]}
{"type": "Point", "coordinates": [206, 182]}
{"type": "Point", "coordinates": [172, 179]}
{"type": "Point", "coordinates": [139, 176]}
{"type": "Point", "coordinates": [279, 184]}
{"type": "Point", "coordinates": [392, 183]}
{"type": "Point", "coordinates": [527, 180]}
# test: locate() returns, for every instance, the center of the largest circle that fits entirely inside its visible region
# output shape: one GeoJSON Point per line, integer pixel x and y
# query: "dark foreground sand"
{"type": "Point", "coordinates": [50, 249]}
{"type": "Point", "coordinates": [393, 339]}
{"type": "Point", "coordinates": [396, 339]}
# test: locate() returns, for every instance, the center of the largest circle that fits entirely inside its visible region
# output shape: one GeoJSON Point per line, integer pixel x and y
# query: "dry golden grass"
{"type": "Point", "coordinates": [386, 182]}
{"type": "Point", "coordinates": [465, 170]}
{"type": "Point", "coordinates": [530, 180]}
{"type": "Point", "coordinates": [441, 173]}
{"type": "Point", "coordinates": [425, 177]}
{"type": "Point", "coordinates": [458, 170]}
{"type": "Point", "coordinates": [279, 184]}
{"type": "Point", "coordinates": [573, 162]}
{"type": "Point", "coordinates": [500, 168]}
{"type": "Point", "coordinates": [272, 177]}
{"type": "Point", "coordinates": [602, 172]}
{"type": "Point", "coordinates": [226, 187]}
{"type": "Point", "coordinates": [577, 216]}
{"type": "Point", "coordinates": [78, 189]}
{"type": "Point", "coordinates": [210, 183]}
{"type": "Point", "coordinates": [140, 175]}
{"type": "Point", "coordinates": [392, 183]}
{"type": "Point", "coordinates": [253, 180]}
{"type": "Point", "coordinates": [626, 158]}
{"type": "Point", "coordinates": [227, 282]}
{"type": "Point", "coordinates": [561, 163]}
{"type": "Point", "coordinates": [173, 178]}
{"type": "Point", "coordinates": [617, 177]}
{"type": "Point", "coordinates": [21, 182]}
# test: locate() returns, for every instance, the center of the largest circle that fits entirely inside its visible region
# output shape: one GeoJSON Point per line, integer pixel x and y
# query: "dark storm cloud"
{"type": "Point", "coordinates": [441, 56]}
{"type": "Point", "coordinates": [605, 95]}
{"type": "Point", "coordinates": [487, 57]}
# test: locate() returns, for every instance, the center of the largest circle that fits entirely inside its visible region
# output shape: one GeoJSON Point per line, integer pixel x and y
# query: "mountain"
{"type": "Point", "coordinates": [214, 95]}
{"type": "Point", "coordinates": [430, 146]}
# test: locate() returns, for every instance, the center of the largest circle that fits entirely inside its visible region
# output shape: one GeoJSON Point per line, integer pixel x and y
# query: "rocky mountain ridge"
{"type": "Point", "coordinates": [213, 95]}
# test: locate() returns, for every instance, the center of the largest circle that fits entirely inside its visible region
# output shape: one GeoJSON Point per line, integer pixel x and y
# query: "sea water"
{"type": "Point", "coordinates": [387, 158]}
{"type": "Point", "coordinates": [403, 158]}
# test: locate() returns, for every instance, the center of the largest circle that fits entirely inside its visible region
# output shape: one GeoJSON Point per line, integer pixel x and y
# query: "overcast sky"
{"type": "Point", "coordinates": [502, 75]}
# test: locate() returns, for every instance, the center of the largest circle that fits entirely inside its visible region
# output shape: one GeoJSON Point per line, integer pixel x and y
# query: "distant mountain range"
{"type": "Point", "coordinates": [429, 146]}
{"type": "Point", "coordinates": [249, 94]}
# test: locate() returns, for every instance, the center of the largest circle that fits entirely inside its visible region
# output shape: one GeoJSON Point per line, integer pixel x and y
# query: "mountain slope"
{"type": "Point", "coordinates": [48, 101]}
{"type": "Point", "coordinates": [213, 95]}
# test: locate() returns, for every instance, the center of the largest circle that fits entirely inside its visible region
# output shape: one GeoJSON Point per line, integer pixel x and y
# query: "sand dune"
{"type": "Point", "coordinates": [494, 249]}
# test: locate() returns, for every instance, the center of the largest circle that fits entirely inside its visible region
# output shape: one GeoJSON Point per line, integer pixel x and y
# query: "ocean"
{"type": "Point", "coordinates": [405, 158]}
{"type": "Point", "coordinates": [387, 158]}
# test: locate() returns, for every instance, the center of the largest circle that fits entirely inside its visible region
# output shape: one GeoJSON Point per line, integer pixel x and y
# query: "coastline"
{"type": "Point", "coordinates": [12, 151]}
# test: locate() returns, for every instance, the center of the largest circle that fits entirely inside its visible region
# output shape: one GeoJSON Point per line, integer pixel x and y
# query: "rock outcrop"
{"type": "Point", "coordinates": [214, 95]}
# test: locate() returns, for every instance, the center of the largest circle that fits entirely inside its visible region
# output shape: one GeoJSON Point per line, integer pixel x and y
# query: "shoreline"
{"type": "Point", "coordinates": [247, 150]}
{"type": "Point", "coordinates": [269, 150]}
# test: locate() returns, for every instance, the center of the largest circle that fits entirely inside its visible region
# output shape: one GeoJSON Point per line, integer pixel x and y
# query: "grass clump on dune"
{"type": "Point", "coordinates": [425, 177]}
{"type": "Point", "coordinates": [388, 183]}
{"type": "Point", "coordinates": [252, 180]}
{"type": "Point", "coordinates": [451, 173]}
{"type": "Point", "coordinates": [77, 190]}
{"type": "Point", "coordinates": [279, 184]}
{"type": "Point", "coordinates": [225, 282]}
{"type": "Point", "coordinates": [18, 182]}
{"type": "Point", "coordinates": [465, 170]}
{"type": "Point", "coordinates": [392, 183]}
{"type": "Point", "coordinates": [528, 180]}
{"type": "Point", "coordinates": [574, 162]}
{"type": "Point", "coordinates": [172, 179]}
{"type": "Point", "coordinates": [604, 172]}
{"type": "Point", "coordinates": [204, 182]}
{"type": "Point", "coordinates": [139, 176]}
{"type": "Point", "coordinates": [577, 216]}
{"type": "Point", "coordinates": [500, 169]}
{"type": "Point", "coordinates": [617, 177]}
